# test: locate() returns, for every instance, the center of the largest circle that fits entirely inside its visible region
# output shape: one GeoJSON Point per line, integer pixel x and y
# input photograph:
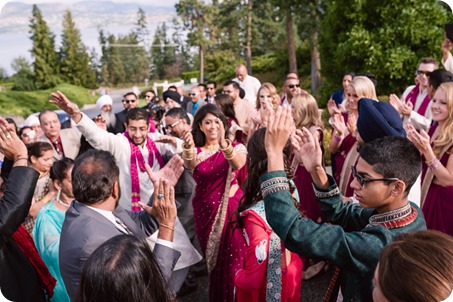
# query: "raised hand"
{"type": "Point", "coordinates": [171, 171]}
{"type": "Point", "coordinates": [332, 108]}
{"type": "Point", "coordinates": [407, 109]}
{"type": "Point", "coordinates": [352, 122]}
{"type": "Point", "coordinates": [280, 127]}
{"type": "Point", "coordinates": [309, 151]}
{"type": "Point", "coordinates": [420, 140]}
{"type": "Point", "coordinates": [10, 144]}
{"type": "Point", "coordinates": [188, 140]}
{"type": "Point", "coordinates": [100, 122]}
{"type": "Point", "coordinates": [222, 142]}
{"type": "Point", "coordinates": [59, 99]}
{"type": "Point", "coordinates": [339, 125]}
{"type": "Point", "coordinates": [395, 101]}
{"type": "Point", "coordinates": [164, 204]}
{"type": "Point", "coordinates": [166, 139]}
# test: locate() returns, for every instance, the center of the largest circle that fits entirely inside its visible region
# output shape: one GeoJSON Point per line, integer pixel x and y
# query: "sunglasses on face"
{"type": "Point", "coordinates": [193, 93]}
{"type": "Point", "coordinates": [421, 72]}
{"type": "Point", "coordinates": [291, 86]}
{"type": "Point", "coordinates": [129, 101]}
{"type": "Point", "coordinates": [363, 180]}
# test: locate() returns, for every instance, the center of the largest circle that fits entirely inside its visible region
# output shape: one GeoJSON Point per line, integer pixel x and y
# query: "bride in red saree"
{"type": "Point", "coordinates": [215, 162]}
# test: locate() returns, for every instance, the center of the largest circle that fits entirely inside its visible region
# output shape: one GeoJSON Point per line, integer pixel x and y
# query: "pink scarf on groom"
{"type": "Point", "coordinates": [137, 156]}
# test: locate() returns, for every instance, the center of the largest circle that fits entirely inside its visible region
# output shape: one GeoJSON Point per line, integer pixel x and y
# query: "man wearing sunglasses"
{"type": "Point", "coordinates": [130, 101]}
{"type": "Point", "coordinates": [291, 88]}
{"type": "Point", "coordinates": [415, 106]}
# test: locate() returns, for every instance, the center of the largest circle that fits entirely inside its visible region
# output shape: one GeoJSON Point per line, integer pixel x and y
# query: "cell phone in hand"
{"type": "Point", "coordinates": [449, 31]}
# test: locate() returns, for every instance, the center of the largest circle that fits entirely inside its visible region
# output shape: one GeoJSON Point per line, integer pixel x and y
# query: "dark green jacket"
{"type": "Point", "coordinates": [347, 241]}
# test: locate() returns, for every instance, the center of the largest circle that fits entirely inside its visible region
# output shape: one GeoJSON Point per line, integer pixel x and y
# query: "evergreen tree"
{"type": "Point", "coordinates": [45, 65]}
{"type": "Point", "coordinates": [385, 37]}
{"type": "Point", "coordinates": [75, 63]}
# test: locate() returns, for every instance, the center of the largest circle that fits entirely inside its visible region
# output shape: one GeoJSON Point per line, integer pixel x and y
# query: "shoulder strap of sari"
{"type": "Point", "coordinates": [429, 175]}
{"type": "Point", "coordinates": [215, 235]}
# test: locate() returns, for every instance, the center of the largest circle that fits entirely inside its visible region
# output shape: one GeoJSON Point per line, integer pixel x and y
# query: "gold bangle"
{"type": "Point", "coordinates": [20, 158]}
{"type": "Point", "coordinates": [231, 156]}
{"type": "Point", "coordinates": [167, 227]}
{"type": "Point", "coordinates": [228, 146]}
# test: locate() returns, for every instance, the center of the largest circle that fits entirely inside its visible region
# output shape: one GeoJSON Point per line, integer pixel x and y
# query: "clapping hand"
{"type": "Point", "coordinates": [420, 140]}
{"type": "Point", "coordinates": [171, 171]}
{"type": "Point", "coordinates": [279, 129]}
{"type": "Point", "coordinates": [332, 108]}
{"type": "Point", "coordinates": [396, 103]}
{"type": "Point", "coordinates": [307, 149]}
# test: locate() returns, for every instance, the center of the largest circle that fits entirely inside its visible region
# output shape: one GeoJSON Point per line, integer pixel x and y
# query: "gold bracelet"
{"type": "Point", "coordinates": [20, 158]}
{"type": "Point", "coordinates": [230, 157]}
{"type": "Point", "coordinates": [228, 146]}
{"type": "Point", "coordinates": [167, 227]}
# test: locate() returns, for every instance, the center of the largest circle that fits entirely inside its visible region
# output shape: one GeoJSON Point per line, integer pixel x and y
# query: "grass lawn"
{"type": "Point", "coordinates": [24, 103]}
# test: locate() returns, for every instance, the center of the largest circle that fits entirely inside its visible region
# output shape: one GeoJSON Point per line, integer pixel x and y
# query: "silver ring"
{"type": "Point", "coordinates": [160, 195]}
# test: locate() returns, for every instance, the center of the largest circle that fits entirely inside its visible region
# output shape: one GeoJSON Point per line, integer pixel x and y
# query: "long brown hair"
{"type": "Point", "coordinates": [257, 166]}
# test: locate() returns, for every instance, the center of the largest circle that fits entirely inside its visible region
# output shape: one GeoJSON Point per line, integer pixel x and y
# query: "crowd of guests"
{"type": "Point", "coordinates": [231, 182]}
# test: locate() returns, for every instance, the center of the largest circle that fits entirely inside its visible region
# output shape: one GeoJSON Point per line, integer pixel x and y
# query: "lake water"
{"type": "Point", "coordinates": [18, 44]}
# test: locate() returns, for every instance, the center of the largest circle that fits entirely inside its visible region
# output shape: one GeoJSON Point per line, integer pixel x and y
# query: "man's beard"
{"type": "Point", "coordinates": [109, 118]}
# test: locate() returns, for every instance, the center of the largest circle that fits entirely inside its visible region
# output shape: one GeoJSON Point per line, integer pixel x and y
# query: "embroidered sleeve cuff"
{"type": "Point", "coordinates": [329, 192]}
{"type": "Point", "coordinates": [274, 181]}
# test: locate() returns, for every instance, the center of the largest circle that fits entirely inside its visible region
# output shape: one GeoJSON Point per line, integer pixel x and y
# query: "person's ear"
{"type": "Point", "coordinates": [398, 188]}
{"type": "Point", "coordinates": [33, 159]}
{"type": "Point", "coordinates": [57, 185]}
{"type": "Point", "coordinates": [116, 190]}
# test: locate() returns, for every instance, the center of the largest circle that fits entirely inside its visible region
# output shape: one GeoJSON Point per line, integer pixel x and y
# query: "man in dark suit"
{"type": "Point", "coordinates": [94, 217]}
{"type": "Point", "coordinates": [23, 274]}
{"type": "Point", "coordinates": [130, 100]}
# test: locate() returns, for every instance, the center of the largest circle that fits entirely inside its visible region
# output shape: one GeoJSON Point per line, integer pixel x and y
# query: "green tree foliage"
{"type": "Point", "coordinates": [163, 54]}
{"type": "Point", "coordinates": [124, 57]}
{"type": "Point", "coordinates": [75, 63]}
{"type": "Point", "coordinates": [45, 65]}
{"type": "Point", "coordinates": [199, 19]}
{"type": "Point", "coordinates": [385, 37]}
{"type": "Point", "coordinates": [23, 78]}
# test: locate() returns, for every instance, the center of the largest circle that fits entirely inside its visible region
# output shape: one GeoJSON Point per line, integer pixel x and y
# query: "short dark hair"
{"type": "Point", "coordinates": [172, 87]}
{"type": "Point", "coordinates": [439, 76]}
{"type": "Point", "coordinates": [122, 269]}
{"type": "Point", "coordinates": [202, 85]}
{"type": "Point", "coordinates": [393, 157]}
{"type": "Point", "coordinates": [136, 114]}
{"type": "Point", "coordinates": [178, 113]}
{"type": "Point", "coordinates": [60, 168]}
{"type": "Point", "coordinates": [130, 93]}
{"type": "Point", "coordinates": [235, 84]}
{"type": "Point", "coordinates": [429, 60]}
{"type": "Point", "coordinates": [36, 149]}
{"type": "Point", "coordinates": [21, 130]}
{"type": "Point", "coordinates": [198, 136]}
{"type": "Point", "coordinates": [93, 176]}
{"type": "Point", "coordinates": [211, 83]}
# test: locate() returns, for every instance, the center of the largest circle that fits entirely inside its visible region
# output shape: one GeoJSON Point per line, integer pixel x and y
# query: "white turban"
{"type": "Point", "coordinates": [32, 120]}
{"type": "Point", "coordinates": [104, 100]}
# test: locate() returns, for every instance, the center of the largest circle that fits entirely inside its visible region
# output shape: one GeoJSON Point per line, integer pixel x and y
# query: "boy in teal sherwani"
{"type": "Point", "coordinates": [357, 233]}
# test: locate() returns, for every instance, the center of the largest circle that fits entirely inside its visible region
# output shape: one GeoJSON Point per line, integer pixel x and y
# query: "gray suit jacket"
{"type": "Point", "coordinates": [189, 107]}
{"type": "Point", "coordinates": [85, 229]}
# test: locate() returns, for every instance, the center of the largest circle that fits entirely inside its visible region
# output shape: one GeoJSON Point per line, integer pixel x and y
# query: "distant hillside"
{"type": "Point", "coordinates": [15, 16]}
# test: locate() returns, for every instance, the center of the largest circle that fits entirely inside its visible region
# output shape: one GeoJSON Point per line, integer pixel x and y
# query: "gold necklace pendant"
{"type": "Point", "coordinates": [211, 147]}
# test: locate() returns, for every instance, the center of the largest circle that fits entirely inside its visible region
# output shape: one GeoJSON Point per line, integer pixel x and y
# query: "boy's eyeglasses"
{"type": "Point", "coordinates": [362, 180]}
